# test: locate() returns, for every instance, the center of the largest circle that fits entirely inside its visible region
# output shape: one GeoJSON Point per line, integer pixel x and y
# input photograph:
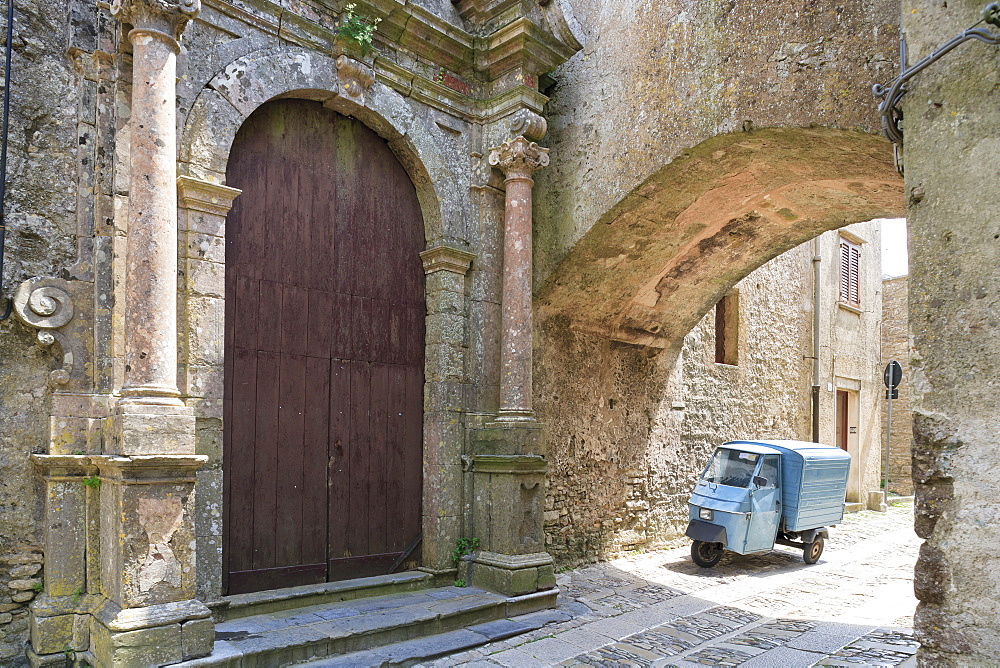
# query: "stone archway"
{"type": "Point", "coordinates": [649, 269]}
{"type": "Point", "coordinates": [614, 314]}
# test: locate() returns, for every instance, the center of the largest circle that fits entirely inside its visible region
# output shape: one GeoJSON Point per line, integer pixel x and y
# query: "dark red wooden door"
{"type": "Point", "coordinates": [323, 407]}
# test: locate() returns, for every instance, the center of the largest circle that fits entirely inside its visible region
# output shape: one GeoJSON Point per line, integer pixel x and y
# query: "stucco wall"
{"type": "Point", "coordinates": [629, 429]}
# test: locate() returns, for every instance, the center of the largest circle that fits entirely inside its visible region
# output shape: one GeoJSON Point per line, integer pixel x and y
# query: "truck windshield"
{"type": "Point", "coordinates": [731, 467]}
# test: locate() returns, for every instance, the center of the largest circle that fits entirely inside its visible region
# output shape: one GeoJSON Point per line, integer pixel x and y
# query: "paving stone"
{"type": "Point", "coordinates": [550, 650]}
{"type": "Point", "coordinates": [517, 659]}
{"type": "Point", "coordinates": [782, 657]}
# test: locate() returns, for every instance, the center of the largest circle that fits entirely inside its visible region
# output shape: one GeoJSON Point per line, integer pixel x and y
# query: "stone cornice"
{"type": "Point", "coordinates": [445, 66]}
{"type": "Point", "coordinates": [447, 258]}
{"type": "Point", "coordinates": [523, 44]}
{"type": "Point", "coordinates": [198, 195]}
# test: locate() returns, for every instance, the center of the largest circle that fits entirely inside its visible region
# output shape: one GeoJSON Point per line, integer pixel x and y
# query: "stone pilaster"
{"type": "Point", "coordinates": [444, 392]}
{"type": "Point", "coordinates": [518, 159]}
{"type": "Point", "coordinates": [202, 208]}
{"type": "Point", "coordinates": [148, 614]}
{"type": "Point", "coordinates": [60, 616]}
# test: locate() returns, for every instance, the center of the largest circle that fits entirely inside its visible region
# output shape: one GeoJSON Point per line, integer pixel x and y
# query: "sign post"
{"type": "Point", "coordinates": [892, 376]}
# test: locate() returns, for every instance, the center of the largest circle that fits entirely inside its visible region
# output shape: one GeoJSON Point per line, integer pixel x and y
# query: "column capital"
{"type": "Point", "coordinates": [519, 158]}
{"type": "Point", "coordinates": [168, 16]}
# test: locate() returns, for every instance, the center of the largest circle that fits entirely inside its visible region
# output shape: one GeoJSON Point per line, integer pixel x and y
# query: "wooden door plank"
{"type": "Point", "coordinates": [265, 460]}
{"type": "Point", "coordinates": [294, 320]}
{"type": "Point", "coordinates": [239, 471]}
{"type": "Point", "coordinates": [342, 332]}
{"type": "Point", "coordinates": [360, 482]}
{"type": "Point", "coordinates": [361, 328]}
{"type": "Point", "coordinates": [269, 311]}
{"type": "Point", "coordinates": [395, 438]}
{"type": "Point", "coordinates": [319, 330]}
{"type": "Point", "coordinates": [316, 458]}
{"type": "Point", "coordinates": [378, 463]}
{"type": "Point", "coordinates": [290, 460]}
{"type": "Point", "coordinates": [341, 413]}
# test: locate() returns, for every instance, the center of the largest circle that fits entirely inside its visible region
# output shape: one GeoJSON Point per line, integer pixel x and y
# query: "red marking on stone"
{"type": "Point", "coordinates": [455, 83]}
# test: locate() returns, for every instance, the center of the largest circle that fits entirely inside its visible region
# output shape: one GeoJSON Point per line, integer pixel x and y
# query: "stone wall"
{"type": "Point", "coordinates": [951, 149]}
{"type": "Point", "coordinates": [45, 139]}
{"type": "Point", "coordinates": [896, 346]}
{"type": "Point", "coordinates": [629, 430]}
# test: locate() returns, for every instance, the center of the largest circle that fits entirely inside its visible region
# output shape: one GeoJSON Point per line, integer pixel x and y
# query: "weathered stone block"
{"type": "Point", "coordinates": [197, 638]}
{"type": "Point", "coordinates": [150, 430]}
{"type": "Point", "coordinates": [155, 646]}
{"type": "Point", "coordinates": [50, 635]}
{"type": "Point", "coordinates": [447, 328]}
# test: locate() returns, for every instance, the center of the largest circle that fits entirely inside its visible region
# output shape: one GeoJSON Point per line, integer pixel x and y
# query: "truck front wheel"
{"type": "Point", "coordinates": [705, 554]}
{"type": "Point", "coordinates": [811, 552]}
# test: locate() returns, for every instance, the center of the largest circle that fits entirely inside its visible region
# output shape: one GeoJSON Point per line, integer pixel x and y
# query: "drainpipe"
{"type": "Point", "coordinates": [3, 148]}
{"type": "Point", "coordinates": [817, 263]}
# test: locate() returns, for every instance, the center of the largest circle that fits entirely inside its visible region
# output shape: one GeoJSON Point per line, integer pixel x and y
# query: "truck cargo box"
{"type": "Point", "coordinates": [813, 482]}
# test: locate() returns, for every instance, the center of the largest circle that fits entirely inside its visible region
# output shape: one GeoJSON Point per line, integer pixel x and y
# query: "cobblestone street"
{"type": "Point", "coordinates": [854, 608]}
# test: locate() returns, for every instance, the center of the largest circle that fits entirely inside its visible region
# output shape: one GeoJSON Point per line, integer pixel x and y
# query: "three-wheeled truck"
{"type": "Point", "coordinates": [754, 494]}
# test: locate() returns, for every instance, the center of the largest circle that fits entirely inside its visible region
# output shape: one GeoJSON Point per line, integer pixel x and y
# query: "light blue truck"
{"type": "Point", "coordinates": [754, 494]}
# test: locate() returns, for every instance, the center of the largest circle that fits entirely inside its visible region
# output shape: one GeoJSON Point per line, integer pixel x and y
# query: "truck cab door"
{"type": "Point", "coordinates": [765, 505]}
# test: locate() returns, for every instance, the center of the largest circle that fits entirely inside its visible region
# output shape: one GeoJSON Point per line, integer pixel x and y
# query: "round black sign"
{"type": "Point", "coordinates": [893, 374]}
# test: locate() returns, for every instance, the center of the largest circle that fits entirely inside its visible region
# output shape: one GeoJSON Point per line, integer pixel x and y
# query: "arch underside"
{"type": "Point", "coordinates": [657, 261]}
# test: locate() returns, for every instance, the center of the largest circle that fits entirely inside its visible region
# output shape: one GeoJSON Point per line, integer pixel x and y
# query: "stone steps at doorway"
{"type": "Point", "coordinates": [277, 600]}
{"type": "Point", "coordinates": [334, 629]}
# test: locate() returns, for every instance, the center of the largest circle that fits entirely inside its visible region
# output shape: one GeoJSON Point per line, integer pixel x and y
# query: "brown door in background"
{"type": "Point", "coordinates": [324, 353]}
{"type": "Point", "coordinates": [842, 429]}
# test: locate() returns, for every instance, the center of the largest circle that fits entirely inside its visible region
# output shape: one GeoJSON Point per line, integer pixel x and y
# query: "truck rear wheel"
{"type": "Point", "coordinates": [705, 554]}
{"type": "Point", "coordinates": [811, 552]}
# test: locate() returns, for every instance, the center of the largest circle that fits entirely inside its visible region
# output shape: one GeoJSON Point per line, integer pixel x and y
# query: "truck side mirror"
{"type": "Point", "coordinates": [760, 482]}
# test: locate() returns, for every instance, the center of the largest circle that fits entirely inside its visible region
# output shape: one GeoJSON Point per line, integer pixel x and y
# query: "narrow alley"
{"type": "Point", "coordinates": [854, 608]}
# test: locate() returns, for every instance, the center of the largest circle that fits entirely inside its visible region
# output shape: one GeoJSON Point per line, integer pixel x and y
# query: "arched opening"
{"type": "Point", "coordinates": [634, 307]}
{"type": "Point", "coordinates": [324, 355]}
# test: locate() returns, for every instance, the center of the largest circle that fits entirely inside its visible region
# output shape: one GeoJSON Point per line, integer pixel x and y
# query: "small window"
{"type": "Point", "coordinates": [769, 470]}
{"type": "Point", "coordinates": [727, 329]}
{"type": "Point", "coordinates": [850, 267]}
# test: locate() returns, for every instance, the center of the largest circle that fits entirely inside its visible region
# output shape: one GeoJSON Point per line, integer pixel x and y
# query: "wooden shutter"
{"type": "Point", "coordinates": [850, 271]}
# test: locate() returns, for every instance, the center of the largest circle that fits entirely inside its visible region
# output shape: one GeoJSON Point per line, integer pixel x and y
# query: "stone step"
{"type": "Point", "coordinates": [419, 650]}
{"type": "Point", "coordinates": [310, 632]}
{"type": "Point", "coordinates": [276, 600]}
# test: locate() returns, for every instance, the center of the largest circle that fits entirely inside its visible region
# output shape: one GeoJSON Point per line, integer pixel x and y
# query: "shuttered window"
{"type": "Point", "coordinates": [727, 329]}
{"type": "Point", "coordinates": [850, 264]}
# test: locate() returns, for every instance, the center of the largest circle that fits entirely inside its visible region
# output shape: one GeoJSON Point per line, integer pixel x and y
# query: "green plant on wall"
{"type": "Point", "coordinates": [464, 546]}
{"type": "Point", "coordinates": [92, 481]}
{"type": "Point", "coordinates": [357, 29]}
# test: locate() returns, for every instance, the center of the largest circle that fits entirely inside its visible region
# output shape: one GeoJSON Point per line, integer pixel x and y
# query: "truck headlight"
{"type": "Point", "coordinates": [705, 514]}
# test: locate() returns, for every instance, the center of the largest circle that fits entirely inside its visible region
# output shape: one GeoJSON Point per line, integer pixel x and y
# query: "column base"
{"type": "Point", "coordinates": [153, 635]}
{"type": "Point", "coordinates": [149, 429]}
{"type": "Point", "coordinates": [512, 575]}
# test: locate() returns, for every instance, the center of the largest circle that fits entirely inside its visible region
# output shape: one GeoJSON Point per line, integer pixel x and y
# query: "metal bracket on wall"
{"type": "Point", "coordinates": [892, 93]}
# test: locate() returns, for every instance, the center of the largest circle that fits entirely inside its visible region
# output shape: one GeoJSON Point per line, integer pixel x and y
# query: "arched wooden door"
{"type": "Point", "coordinates": [323, 407]}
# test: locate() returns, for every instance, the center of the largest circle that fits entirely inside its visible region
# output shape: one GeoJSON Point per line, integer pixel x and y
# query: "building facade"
{"type": "Point", "coordinates": [687, 143]}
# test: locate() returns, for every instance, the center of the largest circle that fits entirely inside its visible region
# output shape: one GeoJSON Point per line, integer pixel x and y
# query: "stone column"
{"type": "Point", "coordinates": [518, 159]}
{"type": "Point", "coordinates": [506, 468]}
{"type": "Point", "coordinates": [151, 263]}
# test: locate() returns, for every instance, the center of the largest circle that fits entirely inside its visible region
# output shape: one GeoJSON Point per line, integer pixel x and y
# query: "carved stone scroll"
{"type": "Point", "coordinates": [169, 16]}
{"type": "Point", "coordinates": [46, 303]}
